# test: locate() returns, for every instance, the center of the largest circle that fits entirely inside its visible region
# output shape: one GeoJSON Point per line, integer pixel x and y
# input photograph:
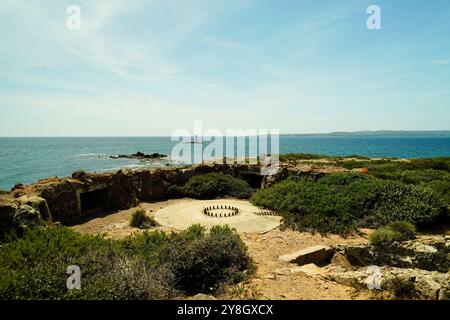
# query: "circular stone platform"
{"type": "Point", "coordinates": [182, 215]}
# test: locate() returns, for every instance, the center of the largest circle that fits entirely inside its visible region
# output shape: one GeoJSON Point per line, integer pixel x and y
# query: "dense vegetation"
{"type": "Point", "coordinates": [214, 185]}
{"type": "Point", "coordinates": [149, 265]}
{"type": "Point", "coordinates": [342, 202]}
{"type": "Point", "coordinates": [309, 156]}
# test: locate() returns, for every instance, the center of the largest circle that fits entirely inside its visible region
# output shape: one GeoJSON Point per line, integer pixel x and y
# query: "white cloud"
{"type": "Point", "coordinates": [440, 62]}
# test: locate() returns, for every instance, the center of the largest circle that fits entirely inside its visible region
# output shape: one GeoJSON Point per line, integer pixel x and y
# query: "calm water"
{"type": "Point", "coordinates": [28, 159]}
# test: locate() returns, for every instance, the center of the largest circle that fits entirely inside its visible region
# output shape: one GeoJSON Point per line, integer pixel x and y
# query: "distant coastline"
{"type": "Point", "coordinates": [377, 133]}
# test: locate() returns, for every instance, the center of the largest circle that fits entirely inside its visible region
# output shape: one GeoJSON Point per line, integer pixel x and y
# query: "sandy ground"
{"type": "Point", "coordinates": [273, 279]}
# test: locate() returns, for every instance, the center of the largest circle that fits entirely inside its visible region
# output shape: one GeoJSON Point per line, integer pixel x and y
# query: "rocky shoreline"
{"type": "Point", "coordinates": [140, 156]}
{"type": "Point", "coordinates": [69, 198]}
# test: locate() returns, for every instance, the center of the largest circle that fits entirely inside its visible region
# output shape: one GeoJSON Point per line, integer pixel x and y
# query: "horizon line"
{"type": "Point", "coordinates": [447, 131]}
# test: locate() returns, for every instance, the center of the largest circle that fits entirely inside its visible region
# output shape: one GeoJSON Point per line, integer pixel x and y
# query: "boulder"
{"type": "Point", "coordinates": [317, 254]}
{"type": "Point", "coordinates": [38, 203]}
{"type": "Point", "coordinates": [26, 216]}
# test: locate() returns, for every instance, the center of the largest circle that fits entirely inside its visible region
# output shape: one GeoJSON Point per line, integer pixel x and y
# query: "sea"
{"type": "Point", "coordinates": [26, 160]}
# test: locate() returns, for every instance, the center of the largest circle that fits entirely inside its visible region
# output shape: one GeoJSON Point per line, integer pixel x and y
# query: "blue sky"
{"type": "Point", "coordinates": [149, 67]}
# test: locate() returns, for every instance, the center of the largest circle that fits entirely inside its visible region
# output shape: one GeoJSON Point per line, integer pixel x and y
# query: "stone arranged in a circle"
{"type": "Point", "coordinates": [209, 211]}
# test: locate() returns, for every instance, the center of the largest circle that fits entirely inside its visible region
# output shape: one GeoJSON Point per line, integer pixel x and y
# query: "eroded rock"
{"type": "Point", "coordinates": [26, 216]}
{"type": "Point", "coordinates": [430, 253]}
{"type": "Point", "coordinates": [317, 254]}
{"type": "Point", "coordinates": [431, 285]}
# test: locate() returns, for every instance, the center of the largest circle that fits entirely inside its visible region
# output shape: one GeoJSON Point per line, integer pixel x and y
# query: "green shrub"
{"type": "Point", "coordinates": [339, 203]}
{"type": "Point", "coordinates": [403, 288]}
{"type": "Point", "coordinates": [384, 235]}
{"type": "Point", "coordinates": [416, 204]}
{"type": "Point", "coordinates": [342, 179]}
{"type": "Point", "coordinates": [140, 220]}
{"type": "Point", "coordinates": [203, 263]}
{"type": "Point", "coordinates": [215, 185]}
{"type": "Point", "coordinates": [394, 231]}
{"type": "Point", "coordinates": [300, 156]}
{"type": "Point", "coordinates": [408, 230]}
{"type": "Point", "coordinates": [148, 265]}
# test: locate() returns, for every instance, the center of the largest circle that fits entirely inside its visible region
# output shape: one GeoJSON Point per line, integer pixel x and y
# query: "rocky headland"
{"type": "Point", "coordinates": [419, 266]}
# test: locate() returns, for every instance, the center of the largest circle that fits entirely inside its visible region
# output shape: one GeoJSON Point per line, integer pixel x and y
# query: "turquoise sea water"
{"type": "Point", "coordinates": [26, 160]}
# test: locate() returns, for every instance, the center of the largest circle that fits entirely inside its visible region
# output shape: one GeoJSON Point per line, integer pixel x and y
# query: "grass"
{"type": "Point", "coordinates": [140, 220]}
{"type": "Point", "coordinates": [148, 265]}
{"type": "Point", "coordinates": [393, 232]}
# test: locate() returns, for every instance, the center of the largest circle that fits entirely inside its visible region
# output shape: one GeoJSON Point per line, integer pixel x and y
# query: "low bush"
{"type": "Point", "coordinates": [140, 220]}
{"type": "Point", "coordinates": [205, 262]}
{"type": "Point", "coordinates": [438, 180]}
{"type": "Point", "coordinates": [339, 203]}
{"type": "Point", "coordinates": [215, 185]}
{"type": "Point", "coordinates": [419, 205]}
{"type": "Point", "coordinates": [394, 231]}
{"type": "Point", "coordinates": [148, 265]}
{"type": "Point", "coordinates": [408, 230]}
{"type": "Point", "coordinates": [403, 288]}
{"type": "Point", "coordinates": [300, 156]}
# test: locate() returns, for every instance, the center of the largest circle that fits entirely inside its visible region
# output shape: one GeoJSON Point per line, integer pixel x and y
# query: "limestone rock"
{"type": "Point", "coordinates": [432, 254]}
{"type": "Point", "coordinates": [27, 216]}
{"type": "Point", "coordinates": [38, 203]}
{"type": "Point", "coordinates": [316, 254]}
{"type": "Point", "coordinates": [424, 284]}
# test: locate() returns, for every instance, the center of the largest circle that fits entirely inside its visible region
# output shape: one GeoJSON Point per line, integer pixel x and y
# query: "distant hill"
{"type": "Point", "coordinates": [381, 133]}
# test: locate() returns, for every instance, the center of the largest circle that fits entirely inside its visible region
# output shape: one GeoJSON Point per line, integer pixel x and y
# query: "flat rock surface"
{"type": "Point", "coordinates": [182, 215]}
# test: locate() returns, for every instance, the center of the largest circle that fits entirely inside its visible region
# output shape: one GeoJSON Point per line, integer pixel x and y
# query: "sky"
{"type": "Point", "coordinates": [147, 68]}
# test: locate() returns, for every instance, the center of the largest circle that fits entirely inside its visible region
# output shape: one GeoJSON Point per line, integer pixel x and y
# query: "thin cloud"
{"type": "Point", "coordinates": [440, 62]}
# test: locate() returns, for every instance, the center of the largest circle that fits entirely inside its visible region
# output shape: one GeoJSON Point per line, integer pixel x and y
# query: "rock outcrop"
{"type": "Point", "coordinates": [402, 282]}
{"type": "Point", "coordinates": [83, 194]}
{"type": "Point", "coordinates": [22, 212]}
{"type": "Point", "coordinates": [140, 156]}
{"type": "Point", "coordinates": [417, 268]}
{"type": "Point", "coordinates": [318, 255]}
{"type": "Point", "coordinates": [429, 253]}
{"type": "Point", "coordinates": [26, 216]}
